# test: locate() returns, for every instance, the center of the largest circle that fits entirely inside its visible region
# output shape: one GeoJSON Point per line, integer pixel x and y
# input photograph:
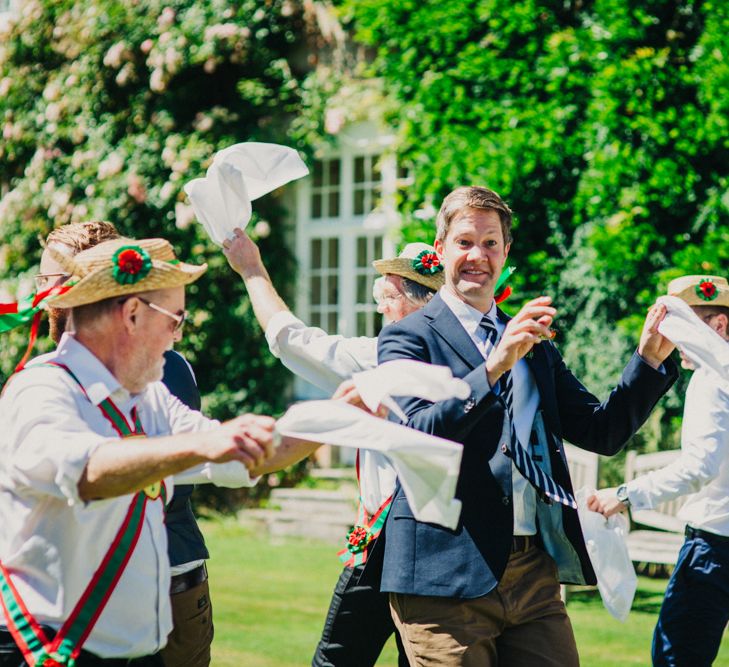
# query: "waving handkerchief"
{"type": "Point", "coordinates": [706, 349]}
{"type": "Point", "coordinates": [238, 175]}
{"type": "Point", "coordinates": [406, 377]}
{"type": "Point", "coordinates": [426, 465]}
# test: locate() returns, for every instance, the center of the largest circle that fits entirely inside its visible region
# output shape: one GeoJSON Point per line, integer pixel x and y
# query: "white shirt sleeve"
{"type": "Point", "coordinates": [704, 446]}
{"type": "Point", "coordinates": [48, 442]}
{"type": "Point", "coordinates": [316, 356]}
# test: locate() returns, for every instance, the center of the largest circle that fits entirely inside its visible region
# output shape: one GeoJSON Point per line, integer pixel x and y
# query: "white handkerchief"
{"type": "Point", "coordinates": [706, 349]}
{"type": "Point", "coordinates": [238, 175]}
{"type": "Point", "coordinates": [426, 465]}
{"type": "Point", "coordinates": [406, 377]}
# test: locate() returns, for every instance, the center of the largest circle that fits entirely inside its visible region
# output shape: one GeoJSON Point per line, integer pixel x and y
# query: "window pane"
{"type": "Point", "coordinates": [332, 323]}
{"type": "Point", "coordinates": [364, 293]}
{"type": "Point", "coordinates": [315, 318]}
{"type": "Point", "coordinates": [334, 168]}
{"type": "Point", "coordinates": [333, 258]}
{"type": "Point", "coordinates": [378, 248]}
{"type": "Point", "coordinates": [403, 172]}
{"type": "Point", "coordinates": [315, 290]}
{"type": "Point", "coordinates": [359, 170]}
{"type": "Point", "coordinates": [316, 254]}
{"type": "Point", "coordinates": [359, 202]}
{"type": "Point", "coordinates": [361, 251]}
{"type": "Point", "coordinates": [362, 324]}
{"type": "Point", "coordinates": [318, 174]}
{"type": "Point", "coordinates": [333, 211]}
{"type": "Point", "coordinates": [316, 205]}
{"type": "Point", "coordinates": [332, 291]}
{"type": "Point", "coordinates": [377, 324]}
{"type": "Point", "coordinates": [376, 168]}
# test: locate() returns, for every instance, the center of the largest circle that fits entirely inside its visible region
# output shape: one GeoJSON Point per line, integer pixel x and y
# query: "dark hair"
{"type": "Point", "coordinates": [415, 292]}
{"type": "Point", "coordinates": [472, 196]}
{"type": "Point", "coordinates": [713, 310]}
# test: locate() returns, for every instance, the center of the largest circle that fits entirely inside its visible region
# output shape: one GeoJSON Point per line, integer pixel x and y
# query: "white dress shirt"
{"type": "Point", "coordinates": [525, 404]}
{"type": "Point", "coordinates": [326, 361]}
{"type": "Point", "coordinates": [50, 540]}
{"type": "Point", "coordinates": [702, 469]}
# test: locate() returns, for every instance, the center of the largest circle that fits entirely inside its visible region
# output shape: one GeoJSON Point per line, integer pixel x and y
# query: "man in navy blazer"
{"type": "Point", "coordinates": [487, 593]}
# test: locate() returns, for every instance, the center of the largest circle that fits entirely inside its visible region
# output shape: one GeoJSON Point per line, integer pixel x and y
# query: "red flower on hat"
{"type": "Point", "coordinates": [706, 290]}
{"type": "Point", "coordinates": [130, 261]}
{"type": "Point", "coordinates": [427, 263]}
{"type": "Point", "coordinates": [131, 264]}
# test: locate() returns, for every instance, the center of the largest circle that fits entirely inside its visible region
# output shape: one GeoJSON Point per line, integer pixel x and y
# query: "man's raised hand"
{"type": "Point", "coordinates": [654, 347]}
{"type": "Point", "coordinates": [527, 328]}
{"type": "Point", "coordinates": [242, 254]}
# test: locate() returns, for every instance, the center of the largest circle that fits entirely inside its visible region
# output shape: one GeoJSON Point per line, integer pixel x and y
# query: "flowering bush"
{"type": "Point", "coordinates": [107, 107]}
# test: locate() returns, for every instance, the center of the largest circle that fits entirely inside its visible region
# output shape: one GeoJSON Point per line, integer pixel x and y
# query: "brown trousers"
{"type": "Point", "coordinates": [188, 645]}
{"type": "Point", "coordinates": [522, 623]}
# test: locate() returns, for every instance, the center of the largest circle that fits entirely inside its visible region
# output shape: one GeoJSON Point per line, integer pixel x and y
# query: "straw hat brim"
{"type": "Point", "coordinates": [100, 284]}
{"type": "Point", "coordinates": [402, 266]}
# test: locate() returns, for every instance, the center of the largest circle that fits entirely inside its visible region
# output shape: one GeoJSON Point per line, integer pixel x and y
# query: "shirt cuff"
{"type": "Point", "coordinates": [276, 325]}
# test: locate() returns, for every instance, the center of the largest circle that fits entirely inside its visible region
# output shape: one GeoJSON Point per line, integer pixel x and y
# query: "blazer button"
{"type": "Point", "coordinates": [468, 406]}
{"type": "Point", "coordinates": [505, 500]}
{"type": "Point", "coordinates": [505, 448]}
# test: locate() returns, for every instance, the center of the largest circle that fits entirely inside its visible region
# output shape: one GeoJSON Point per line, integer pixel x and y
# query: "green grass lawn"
{"type": "Point", "coordinates": [270, 599]}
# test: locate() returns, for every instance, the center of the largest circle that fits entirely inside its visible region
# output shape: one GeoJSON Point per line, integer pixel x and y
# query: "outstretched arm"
{"type": "Point", "coordinates": [309, 352]}
{"type": "Point", "coordinates": [245, 259]}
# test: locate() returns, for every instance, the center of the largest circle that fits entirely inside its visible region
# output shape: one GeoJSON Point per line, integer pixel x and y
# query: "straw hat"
{"type": "Point", "coordinates": [119, 267]}
{"type": "Point", "coordinates": [418, 261]}
{"type": "Point", "coordinates": [700, 290]}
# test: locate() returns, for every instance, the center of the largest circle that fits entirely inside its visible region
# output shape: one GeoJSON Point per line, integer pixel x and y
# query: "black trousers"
{"type": "Point", "coordinates": [11, 656]}
{"type": "Point", "coordinates": [357, 626]}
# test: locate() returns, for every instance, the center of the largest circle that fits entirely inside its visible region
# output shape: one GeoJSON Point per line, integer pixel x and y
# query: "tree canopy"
{"type": "Point", "coordinates": [603, 124]}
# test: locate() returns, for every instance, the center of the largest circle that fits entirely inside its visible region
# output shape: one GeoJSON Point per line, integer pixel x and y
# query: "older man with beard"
{"type": "Point", "coordinates": [84, 573]}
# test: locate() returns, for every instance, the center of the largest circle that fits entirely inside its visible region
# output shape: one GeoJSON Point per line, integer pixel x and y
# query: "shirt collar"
{"type": "Point", "coordinates": [467, 315]}
{"type": "Point", "coordinates": [96, 379]}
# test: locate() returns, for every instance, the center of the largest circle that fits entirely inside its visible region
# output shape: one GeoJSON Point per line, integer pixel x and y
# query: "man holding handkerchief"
{"type": "Point", "coordinates": [487, 592]}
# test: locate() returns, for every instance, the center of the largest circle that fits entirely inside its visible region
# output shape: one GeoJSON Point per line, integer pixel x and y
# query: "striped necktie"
{"type": "Point", "coordinates": [523, 461]}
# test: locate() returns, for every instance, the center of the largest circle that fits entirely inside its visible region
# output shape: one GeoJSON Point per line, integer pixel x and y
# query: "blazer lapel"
{"type": "Point", "coordinates": [447, 326]}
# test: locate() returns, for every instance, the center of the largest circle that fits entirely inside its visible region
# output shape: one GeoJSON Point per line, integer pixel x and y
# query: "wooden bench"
{"type": "Point", "coordinates": [658, 533]}
{"type": "Point", "coordinates": [584, 468]}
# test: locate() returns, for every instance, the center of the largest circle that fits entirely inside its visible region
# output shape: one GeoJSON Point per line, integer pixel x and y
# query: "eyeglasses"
{"type": "Point", "coordinates": [45, 281]}
{"type": "Point", "coordinates": [179, 318]}
{"type": "Point", "coordinates": [389, 298]}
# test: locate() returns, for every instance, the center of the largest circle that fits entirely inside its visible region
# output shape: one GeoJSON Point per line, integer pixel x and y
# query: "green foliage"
{"type": "Point", "coordinates": [107, 108]}
{"type": "Point", "coordinates": [603, 124]}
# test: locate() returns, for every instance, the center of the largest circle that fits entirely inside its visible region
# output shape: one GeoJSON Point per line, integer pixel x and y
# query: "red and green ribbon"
{"type": "Point", "coordinates": [365, 531]}
{"type": "Point", "coordinates": [26, 310]}
{"type": "Point", "coordinates": [65, 647]}
{"type": "Point", "coordinates": [502, 291]}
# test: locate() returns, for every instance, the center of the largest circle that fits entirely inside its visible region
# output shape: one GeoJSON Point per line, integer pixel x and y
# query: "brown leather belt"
{"type": "Point", "coordinates": [522, 543]}
{"type": "Point", "coordinates": [187, 580]}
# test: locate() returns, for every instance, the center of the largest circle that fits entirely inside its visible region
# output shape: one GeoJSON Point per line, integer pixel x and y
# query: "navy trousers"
{"type": "Point", "coordinates": [358, 625]}
{"type": "Point", "coordinates": [695, 610]}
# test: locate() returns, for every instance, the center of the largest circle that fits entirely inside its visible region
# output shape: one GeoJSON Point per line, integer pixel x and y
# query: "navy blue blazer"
{"type": "Point", "coordinates": [426, 559]}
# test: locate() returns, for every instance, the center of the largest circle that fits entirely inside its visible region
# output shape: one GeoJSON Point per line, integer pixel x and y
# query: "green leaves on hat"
{"type": "Point", "coordinates": [130, 264]}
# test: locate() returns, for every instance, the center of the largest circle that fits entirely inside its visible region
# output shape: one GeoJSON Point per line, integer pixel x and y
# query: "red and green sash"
{"type": "Point", "coordinates": [27, 310]}
{"type": "Point", "coordinates": [65, 647]}
{"type": "Point", "coordinates": [364, 532]}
